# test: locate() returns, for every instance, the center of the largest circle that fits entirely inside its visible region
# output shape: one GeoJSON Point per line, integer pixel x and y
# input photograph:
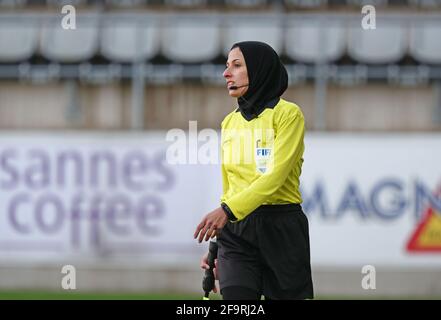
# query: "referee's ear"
{"type": "Point", "coordinates": [228, 212]}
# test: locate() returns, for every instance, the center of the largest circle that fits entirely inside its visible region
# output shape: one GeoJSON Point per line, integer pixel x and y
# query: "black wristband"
{"type": "Point", "coordinates": [228, 212]}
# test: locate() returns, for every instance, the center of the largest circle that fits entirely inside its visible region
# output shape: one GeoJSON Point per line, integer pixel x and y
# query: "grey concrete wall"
{"type": "Point", "coordinates": [107, 107]}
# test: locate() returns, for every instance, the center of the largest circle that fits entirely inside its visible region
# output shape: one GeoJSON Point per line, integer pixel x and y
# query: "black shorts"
{"type": "Point", "coordinates": [268, 252]}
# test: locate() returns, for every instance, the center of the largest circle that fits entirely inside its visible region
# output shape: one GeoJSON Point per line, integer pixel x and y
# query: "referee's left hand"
{"type": "Point", "coordinates": [211, 224]}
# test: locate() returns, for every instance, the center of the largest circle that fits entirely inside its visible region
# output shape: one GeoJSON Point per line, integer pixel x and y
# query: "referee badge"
{"type": "Point", "coordinates": [262, 158]}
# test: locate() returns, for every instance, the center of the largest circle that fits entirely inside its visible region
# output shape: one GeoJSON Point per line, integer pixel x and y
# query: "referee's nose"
{"type": "Point", "coordinates": [227, 74]}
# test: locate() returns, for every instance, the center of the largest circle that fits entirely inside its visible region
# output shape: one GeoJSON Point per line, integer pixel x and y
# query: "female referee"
{"type": "Point", "coordinates": [262, 232]}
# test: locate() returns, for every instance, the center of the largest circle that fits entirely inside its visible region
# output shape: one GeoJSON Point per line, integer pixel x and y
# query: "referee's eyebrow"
{"type": "Point", "coordinates": [233, 60]}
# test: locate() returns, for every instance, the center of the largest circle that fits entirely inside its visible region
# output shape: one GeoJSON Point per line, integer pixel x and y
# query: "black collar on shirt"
{"type": "Point", "coordinates": [252, 115]}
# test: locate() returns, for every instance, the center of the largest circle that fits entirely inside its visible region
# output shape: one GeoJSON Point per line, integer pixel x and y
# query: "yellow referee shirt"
{"type": "Point", "coordinates": [262, 158]}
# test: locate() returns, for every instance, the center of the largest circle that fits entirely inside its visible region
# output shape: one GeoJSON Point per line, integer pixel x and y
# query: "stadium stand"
{"type": "Point", "coordinates": [386, 44]}
{"type": "Point", "coordinates": [307, 42]}
{"type": "Point", "coordinates": [119, 41]}
{"type": "Point", "coordinates": [423, 44]}
{"type": "Point", "coordinates": [260, 28]}
{"type": "Point", "coordinates": [18, 40]}
{"type": "Point", "coordinates": [295, 37]}
{"type": "Point", "coordinates": [228, 4]}
{"type": "Point", "coordinates": [317, 40]}
{"type": "Point", "coordinates": [68, 47]}
{"type": "Point", "coordinates": [190, 40]}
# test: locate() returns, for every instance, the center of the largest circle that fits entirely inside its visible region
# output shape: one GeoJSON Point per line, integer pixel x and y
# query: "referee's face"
{"type": "Point", "coordinates": [236, 74]}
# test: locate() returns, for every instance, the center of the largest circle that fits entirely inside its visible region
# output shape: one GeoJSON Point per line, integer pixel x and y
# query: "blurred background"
{"type": "Point", "coordinates": [89, 90]}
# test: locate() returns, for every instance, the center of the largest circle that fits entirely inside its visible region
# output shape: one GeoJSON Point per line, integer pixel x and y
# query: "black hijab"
{"type": "Point", "coordinates": [267, 78]}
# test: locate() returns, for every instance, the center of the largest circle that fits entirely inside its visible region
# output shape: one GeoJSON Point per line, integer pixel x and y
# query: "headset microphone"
{"type": "Point", "coordinates": [237, 87]}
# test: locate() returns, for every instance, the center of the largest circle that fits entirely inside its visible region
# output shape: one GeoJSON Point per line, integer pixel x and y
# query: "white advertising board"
{"type": "Point", "coordinates": [114, 197]}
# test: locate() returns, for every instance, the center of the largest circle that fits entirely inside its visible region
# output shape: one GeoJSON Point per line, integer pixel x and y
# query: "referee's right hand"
{"type": "Point", "coordinates": [204, 265]}
{"type": "Point", "coordinates": [211, 224]}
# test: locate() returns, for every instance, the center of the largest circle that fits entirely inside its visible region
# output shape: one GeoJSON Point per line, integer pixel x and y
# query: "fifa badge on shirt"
{"type": "Point", "coordinates": [262, 158]}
